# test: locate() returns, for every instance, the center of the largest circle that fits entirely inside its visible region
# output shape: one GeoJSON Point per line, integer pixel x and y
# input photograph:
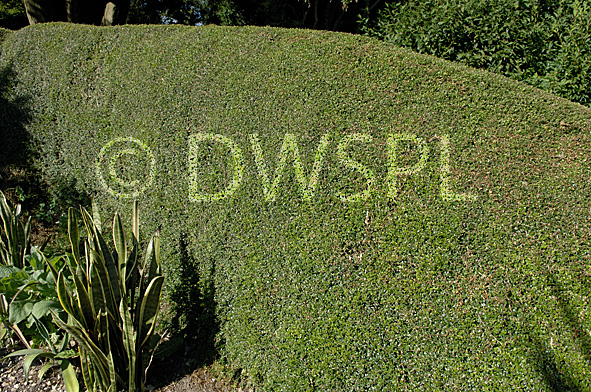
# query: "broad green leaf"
{"type": "Point", "coordinates": [70, 380]}
{"type": "Point", "coordinates": [7, 270]}
{"type": "Point", "coordinates": [42, 308]}
{"type": "Point", "coordinates": [44, 369]}
{"type": "Point", "coordinates": [29, 359]}
{"type": "Point", "coordinates": [19, 310]}
{"type": "Point", "coordinates": [35, 258]}
{"type": "Point", "coordinates": [27, 351]}
{"type": "Point", "coordinates": [66, 354]}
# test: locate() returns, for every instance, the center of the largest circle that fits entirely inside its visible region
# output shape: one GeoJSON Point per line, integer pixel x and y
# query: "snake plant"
{"type": "Point", "coordinates": [114, 305]}
{"type": "Point", "coordinates": [15, 238]}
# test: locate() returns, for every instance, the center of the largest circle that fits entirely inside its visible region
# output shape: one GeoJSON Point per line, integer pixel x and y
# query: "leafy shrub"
{"type": "Point", "coordinates": [543, 43]}
{"type": "Point", "coordinates": [368, 217]}
{"type": "Point", "coordinates": [28, 293]}
{"type": "Point", "coordinates": [32, 296]}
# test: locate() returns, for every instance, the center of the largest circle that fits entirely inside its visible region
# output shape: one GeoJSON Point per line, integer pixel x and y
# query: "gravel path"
{"type": "Point", "coordinates": [12, 379]}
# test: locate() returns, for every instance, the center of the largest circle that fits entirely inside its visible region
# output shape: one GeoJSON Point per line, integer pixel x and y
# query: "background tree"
{"type": "Point", "coordinates": [12, 14]}
{"type": "Point", "coordinates": [332, 15]}
{"type": "Point", "coordinates": [545, 43]}
{"type": "Point", "coordinates": [336, 15]}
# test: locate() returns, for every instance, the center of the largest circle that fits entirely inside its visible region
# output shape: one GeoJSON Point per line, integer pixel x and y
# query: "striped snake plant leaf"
{"type": "Point", "coordinates": [65, 296]}
{"type": "Point", "coordinates": [153, 264]}
{"type": "Point", "coordinates": [96, 216]}
{"type": "Point", "coordinates": [100, 247]}
{"type": "Point", "coordinates": [24, 237]}
{"type": "Point", "coordinates": [149, 309]}
{"type": "Point", "coordinates": [74, 234]}
{"type": "Point", "coordinates": [112, 373]}
{"type": "Point", "coordinates": [6, 215]}
{"type": "Point", "coordinates": [77, 268]}
{"type": "Point", "coordinates": [17, 242]}
{"type": "Point", "coordinates": [94, 354]}
{"type": "Point", "coordinates": [135, 222]}
{"type": "Point", "coordinates": [50, 263]}
{"type": "Point", "coordinates": [112, 271]}
{"type": "Point", "coordinates": [112, 381]}
{"type": "Point", "coordinates": [129, 340]}
{"type": "Point", "coordinates": [84, 304]}
{"type": "Point", "coordinates": [102, 290]}
{"type": "Point", "coordinates": [118, 324]}
{"type": "Point", "coordinates": [149, 270]}
{"type": "Point", "coordinates": [87, 372]}
{"type": "Point", "coordinates": [96, 291]}
{"type": "Point", "coordinates": [106, 288]}
{"type": "Point", "coordinates": [131, 273]}
{"type": "Point", "coordinates": [102, 331]}
{"type": "Point", "coordinates": [120, 246]}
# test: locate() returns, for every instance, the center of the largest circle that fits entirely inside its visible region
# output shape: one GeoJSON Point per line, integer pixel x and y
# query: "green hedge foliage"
{"type": "Point", "coordinates": [4, 33]}
{"type": "Point", "coordinates": [371, 218]}
{"type": "Point", "coordinates": [545, 43]}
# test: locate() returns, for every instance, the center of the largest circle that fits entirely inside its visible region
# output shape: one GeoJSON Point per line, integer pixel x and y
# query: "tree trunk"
{"type": "Point", "coordinates": [95, 12]}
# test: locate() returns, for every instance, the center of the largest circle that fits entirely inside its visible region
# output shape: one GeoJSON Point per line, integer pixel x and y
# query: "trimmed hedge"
{"type": "Point", "coordinates": [373, 219]}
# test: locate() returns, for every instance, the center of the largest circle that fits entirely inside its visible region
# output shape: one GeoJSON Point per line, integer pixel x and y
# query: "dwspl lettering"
{"type": "Point", "coordinates": [289, 152]}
